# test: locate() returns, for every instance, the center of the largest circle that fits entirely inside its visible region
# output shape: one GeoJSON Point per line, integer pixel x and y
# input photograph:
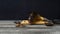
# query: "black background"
{"type": "Point", "coordinates": [19, 9]}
